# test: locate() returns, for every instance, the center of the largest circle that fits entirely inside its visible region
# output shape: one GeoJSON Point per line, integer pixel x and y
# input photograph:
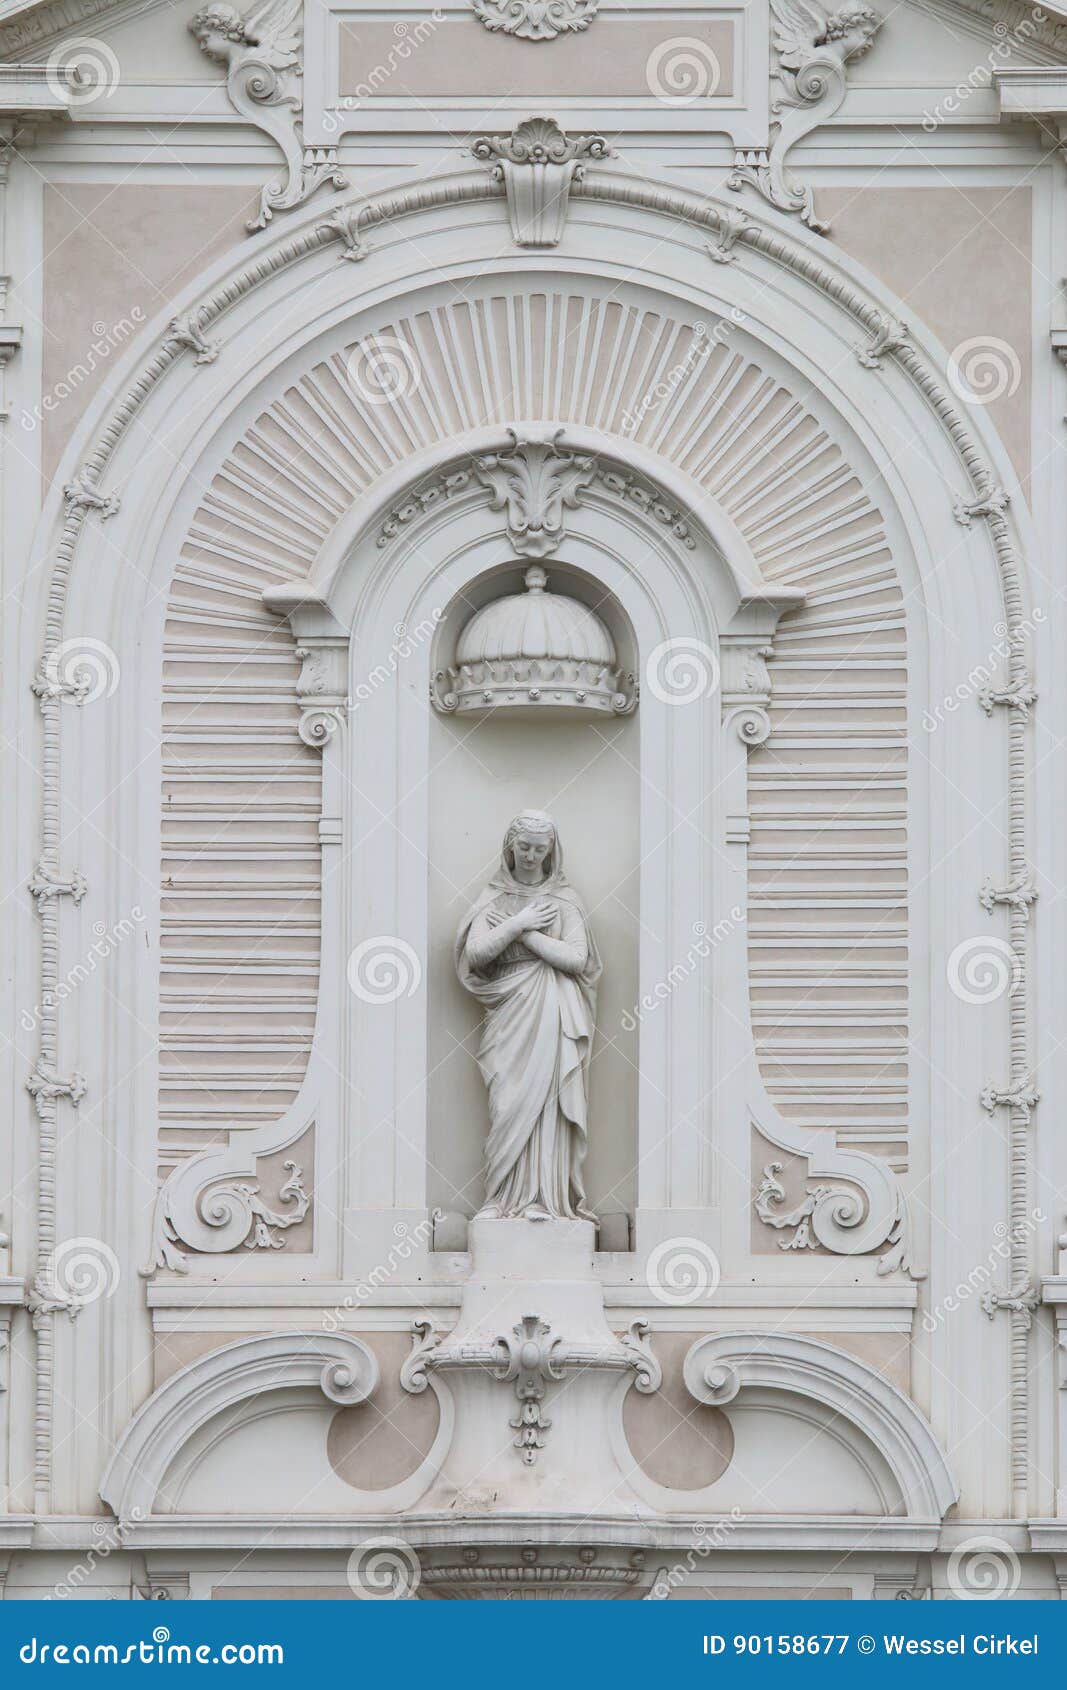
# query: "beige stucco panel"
{"type": "Point", "coordinates": [134, 247]}
{"type": "Point", "coordinates": [959, 259]}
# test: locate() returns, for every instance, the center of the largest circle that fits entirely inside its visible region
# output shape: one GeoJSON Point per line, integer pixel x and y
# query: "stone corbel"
{"type": "Point", "coordinates": [536, 482]}
{"type": "Point", "coordinates": [813, 48]}
{"type": "Point", "coordinates": [744, 648]}
{"type": "Point", "coordinates": [529, 1358]}
{"type": "Point", "coordinates": [261, 53]}
{"type": "Point", "coordinates": [322, 647]}
{"type": "Point", "coordinates": [538, 165]}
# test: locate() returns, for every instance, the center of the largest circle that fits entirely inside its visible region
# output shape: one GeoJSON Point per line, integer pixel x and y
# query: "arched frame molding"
{"type": "Point", "coordinates": [161, 422]}
{"type": "Point", "coordinates": [734, 1366]}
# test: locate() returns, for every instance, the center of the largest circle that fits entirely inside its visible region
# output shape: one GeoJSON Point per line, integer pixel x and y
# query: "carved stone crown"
{"type": "Point", "coordinates": [535, 649]}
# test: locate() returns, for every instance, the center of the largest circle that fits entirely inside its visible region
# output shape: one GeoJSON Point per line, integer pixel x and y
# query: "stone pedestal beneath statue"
{"type": "Point", "coordinates": [532, 1378]}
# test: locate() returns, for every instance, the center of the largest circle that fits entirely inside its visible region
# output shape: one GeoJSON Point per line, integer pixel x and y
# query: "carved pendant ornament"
{"type": "Point", "coordinates": [530, 1357]}
{"type": "Point", "coordinates": [536, 20]}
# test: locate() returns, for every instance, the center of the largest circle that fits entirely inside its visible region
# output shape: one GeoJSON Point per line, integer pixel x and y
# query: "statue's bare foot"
{"type": "Point", "coordinates": [536, 1213]}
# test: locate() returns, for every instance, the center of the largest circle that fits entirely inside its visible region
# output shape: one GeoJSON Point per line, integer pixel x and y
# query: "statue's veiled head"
{"type": "Point", "coordinates": [531, 850]}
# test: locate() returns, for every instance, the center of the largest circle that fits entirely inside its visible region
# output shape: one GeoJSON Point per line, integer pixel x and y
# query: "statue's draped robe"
{"type": "Point", "coordinates": [534, 1053]}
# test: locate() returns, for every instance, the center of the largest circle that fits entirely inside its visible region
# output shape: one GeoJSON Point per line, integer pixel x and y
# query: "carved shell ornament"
{"type": "Point", "coordinates": [540, 140]}
{"type": "Point", "coordinates": [536, 20]}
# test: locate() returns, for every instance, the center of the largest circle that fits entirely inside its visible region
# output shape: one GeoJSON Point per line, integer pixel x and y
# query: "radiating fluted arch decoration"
{"type": "Point", "coordinates": [87, 497]}
{"type": "Point", "coordinates": [734, 442]}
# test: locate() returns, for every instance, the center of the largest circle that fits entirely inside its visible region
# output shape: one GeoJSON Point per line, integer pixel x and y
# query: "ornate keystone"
{"type": "Point", "coordinates": [535, 482]}
{"type": "Point", "coordinates": [538, 165]}
{"type": "Point", "coordinates": [536, 20]}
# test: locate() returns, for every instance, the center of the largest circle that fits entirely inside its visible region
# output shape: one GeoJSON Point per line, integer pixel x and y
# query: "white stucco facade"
{"type": "Point", "coordinates": [319, 328]}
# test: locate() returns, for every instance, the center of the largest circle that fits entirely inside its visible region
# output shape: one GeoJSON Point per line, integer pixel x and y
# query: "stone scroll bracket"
{"type": "Point", "coordinates": [322, 647]}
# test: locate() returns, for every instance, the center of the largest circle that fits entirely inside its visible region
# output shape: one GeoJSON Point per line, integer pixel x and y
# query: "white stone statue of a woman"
{"type": "Point", "coordinates": [526, 953]}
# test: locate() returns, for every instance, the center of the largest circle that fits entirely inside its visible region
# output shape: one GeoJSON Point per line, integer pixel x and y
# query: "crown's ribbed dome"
{"type": "Point", "coordinates": [536, 624]}
{"type": "Point", "coordinates": [535, 650]}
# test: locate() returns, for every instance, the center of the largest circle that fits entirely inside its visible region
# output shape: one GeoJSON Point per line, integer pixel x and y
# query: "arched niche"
{"type": "Point", "coordinates": [802, 322]}
{"type": "Point", "coordinates": [586, 771]}
{"type": "Point", "coordinates": [685, 590]}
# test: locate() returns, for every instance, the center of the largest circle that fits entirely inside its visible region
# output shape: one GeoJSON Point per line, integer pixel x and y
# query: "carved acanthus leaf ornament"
{"type": "Point", "coordinates": [536, 20]}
